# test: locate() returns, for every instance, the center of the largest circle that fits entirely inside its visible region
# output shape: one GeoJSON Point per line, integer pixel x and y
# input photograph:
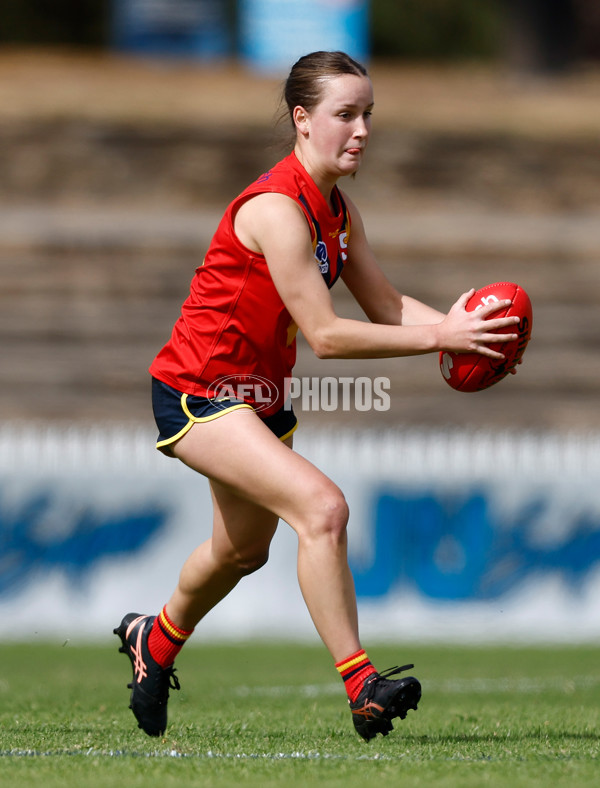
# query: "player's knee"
{"type": "Point", "coordinates": [247, 563]}
{"type": "Point", "coordinates": [328, 515]}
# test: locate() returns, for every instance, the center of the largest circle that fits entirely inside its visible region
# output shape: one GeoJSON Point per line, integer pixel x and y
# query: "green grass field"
{"type": "Point", "coordinates": [276, 715]}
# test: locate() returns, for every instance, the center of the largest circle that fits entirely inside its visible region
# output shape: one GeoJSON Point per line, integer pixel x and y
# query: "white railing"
{"type": "Point", "coordinates": [394, 453]}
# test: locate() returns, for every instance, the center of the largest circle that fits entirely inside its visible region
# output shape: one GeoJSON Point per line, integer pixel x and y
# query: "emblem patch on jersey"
{"type": "Point", "coordinates": [321, 257]}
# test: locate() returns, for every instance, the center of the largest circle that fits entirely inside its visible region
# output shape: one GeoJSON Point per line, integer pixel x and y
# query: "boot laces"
{"type": "Point", "coordinates": [172, 678]}
{"type": "Point", "coordinates": [394, 671]}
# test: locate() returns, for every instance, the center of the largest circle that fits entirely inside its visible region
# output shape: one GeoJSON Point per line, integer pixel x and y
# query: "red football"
{"type": "Point", "coordinates": [474, 372]}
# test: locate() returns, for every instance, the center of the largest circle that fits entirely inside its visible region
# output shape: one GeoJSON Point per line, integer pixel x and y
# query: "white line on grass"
{"type": "Point", "coordinates": [266, 756]}
{"type": "Point", "coordinates": [209, 755]}
{"type": "Point", "coordinates": [482, 686]}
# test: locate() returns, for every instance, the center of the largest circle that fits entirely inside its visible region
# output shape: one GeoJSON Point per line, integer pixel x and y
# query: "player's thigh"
{"type": "Point", "coordinates": [240, 453]}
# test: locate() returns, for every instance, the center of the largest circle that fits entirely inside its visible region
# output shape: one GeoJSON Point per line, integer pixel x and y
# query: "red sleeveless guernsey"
{"type": "Point", "coordinates": [234, 325]}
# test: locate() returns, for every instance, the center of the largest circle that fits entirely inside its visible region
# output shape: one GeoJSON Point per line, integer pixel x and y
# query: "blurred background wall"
{"type": "Point", "coordinates": [548, 35]}
{"type": "Point", "coordinates": [126, 127]}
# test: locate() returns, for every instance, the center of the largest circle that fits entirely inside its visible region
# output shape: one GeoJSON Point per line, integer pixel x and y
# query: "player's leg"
{"type": "Point", "coordinates": [241, 535]}
{"type": "Point", "coordinates": [239, 545]}
{"type": "Point", "coordinates": [248, 463]}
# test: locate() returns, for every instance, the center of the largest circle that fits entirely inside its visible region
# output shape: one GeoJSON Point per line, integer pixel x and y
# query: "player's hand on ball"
{"type": "Point", "coordinates": [470, 331]}
{"type": "Point", "coordinates": [486, 347]}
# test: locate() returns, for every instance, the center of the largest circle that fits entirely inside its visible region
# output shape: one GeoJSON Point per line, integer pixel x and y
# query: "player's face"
{"type": "Point", "coordinates": [339, 126]}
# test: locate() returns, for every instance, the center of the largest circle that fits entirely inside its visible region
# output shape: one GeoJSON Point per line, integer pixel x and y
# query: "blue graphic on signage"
{"type": "Point", "coordinates": [275, 33]}
{"type": "Point", "coordinates": [188, 28]}
{"type": "Point", "coordinates": [30, 545]}
{"type": "Point", "coordinates": [459, 549]}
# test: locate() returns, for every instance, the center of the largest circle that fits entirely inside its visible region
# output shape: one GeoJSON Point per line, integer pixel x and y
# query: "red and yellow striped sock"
{"type": "Point", "coordinates": [166, 640]}
{"type": "Point", "coordinates": [354, 670]}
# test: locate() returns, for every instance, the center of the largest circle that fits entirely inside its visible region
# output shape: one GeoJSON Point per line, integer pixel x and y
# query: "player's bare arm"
{"type": "Point", "coordinates": [382, 303]}
{"type": "Point", "coordinates": [274, 225]}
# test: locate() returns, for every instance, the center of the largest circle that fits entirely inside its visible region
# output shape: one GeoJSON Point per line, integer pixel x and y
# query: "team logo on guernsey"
{"type": "Point", "coordinates": [330, 267]}
{"type": "Point", "coordinates": [321, 257]}
{"type": "Point", "coordinates": [264, 177]}
{"type": "Point", "coordinates": [343, 239]}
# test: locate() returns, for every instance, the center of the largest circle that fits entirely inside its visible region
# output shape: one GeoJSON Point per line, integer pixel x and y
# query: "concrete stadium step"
{"type": "Point", "coordinates": [463, 232]}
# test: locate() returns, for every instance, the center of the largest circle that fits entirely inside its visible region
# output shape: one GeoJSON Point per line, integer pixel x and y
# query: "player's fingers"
{"type": "Point", "coordinates": [492, 307]}
{"type": "Point", "coordinates": [505, 323]}
{"type": "Point", "coordinates": [485, 339]}
{"type": "Point", "coordinates": [489, 352]}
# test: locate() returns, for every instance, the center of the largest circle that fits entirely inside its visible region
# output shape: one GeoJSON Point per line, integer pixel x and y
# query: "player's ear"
{"type": "Point", "coordinates": [300, 117]}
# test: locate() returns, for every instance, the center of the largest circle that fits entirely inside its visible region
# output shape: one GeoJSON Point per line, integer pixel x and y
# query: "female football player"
{"type": "Point", "coordinates": [280, 246]}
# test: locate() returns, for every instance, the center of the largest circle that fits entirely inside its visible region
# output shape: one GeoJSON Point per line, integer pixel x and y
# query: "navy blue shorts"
{"type": "Point", "coordinates": [175, 412]}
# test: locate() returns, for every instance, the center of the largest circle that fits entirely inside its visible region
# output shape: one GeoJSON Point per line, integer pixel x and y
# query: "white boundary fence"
{"type": "Point", "coordinates": [453, 535]}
